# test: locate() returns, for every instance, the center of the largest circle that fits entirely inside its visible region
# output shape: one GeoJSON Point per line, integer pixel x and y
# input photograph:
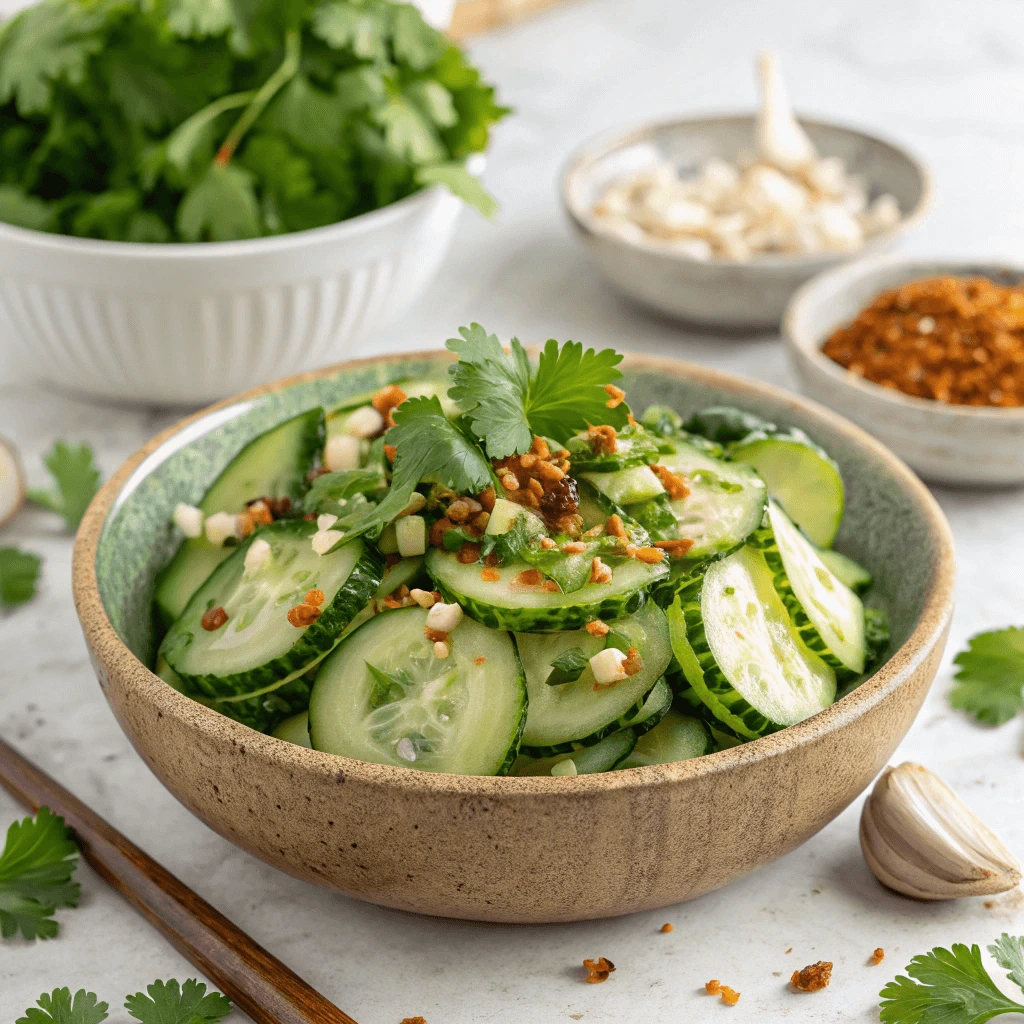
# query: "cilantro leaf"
{"type": "Point", "coordinates": [415, 42]}
{"type": "Point", "coordinates": [331, 488]}
{"type": "Point", "coordinates": [950, 987]}
{"type": "Point", "coordinates": [76, 477]}
{"type": "Point", "coordinates": [25, 211]}
{"type": "Point", "coordinates": [507, 404]}
{"type": "Point", "coordinates": [361, 28]}
{"type": "Point", "coordinates": [220, 207]}
{"type": "Point", "coordinates": [19, 574]}
{"type": "Point", "coordinates": [428, 448]}
{"type": "Point", "coordinates": [58, 1007]}
{"type": "Point", "coordinates": [408, 132]}
{"type": "Point", "coordinates": [462, 184]}
{"type": "Point", "coordinates": [169, 1003]}
{"type": "Point", "coordinates": [1008, 952]}
{"type": "Point", "coordinates": [36, 866]}
{"type": "Point", "coordinates": [990, 682]}
{"type": "Point", "coordinates": [567, 667]}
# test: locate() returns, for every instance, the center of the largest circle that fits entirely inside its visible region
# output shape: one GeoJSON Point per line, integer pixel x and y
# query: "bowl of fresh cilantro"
{"type": "Point", "coordinates": [194, 198]}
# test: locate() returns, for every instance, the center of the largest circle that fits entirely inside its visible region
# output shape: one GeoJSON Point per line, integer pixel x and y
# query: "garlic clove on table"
{"type": "Point", "coordinates": [780, 139]}
{"type": "Point", "coordinates": [922, 840]}
{"type": "Point", "coordinates": [12, 483]}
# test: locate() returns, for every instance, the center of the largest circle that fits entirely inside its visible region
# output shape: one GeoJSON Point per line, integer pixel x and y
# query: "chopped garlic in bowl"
{"type": "Point", "coordinates": [784, 198]}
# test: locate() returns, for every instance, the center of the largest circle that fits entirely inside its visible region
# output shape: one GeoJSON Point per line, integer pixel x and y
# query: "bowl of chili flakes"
{"type": "Point", "coordinates": [927, 355]}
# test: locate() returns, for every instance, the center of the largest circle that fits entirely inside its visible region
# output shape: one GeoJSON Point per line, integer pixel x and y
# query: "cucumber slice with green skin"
{"type": "Point", "coordinates": [403, 573]}
{"type": "Point", "coordinates": [295, 730]}
{"type": "Point", "coordinates": [264, 709]}
{"type": "Point", "coordinates": [273, 465]}
{"type": "Point", "coordinates": [726, 503]}
{"type": "Point", "coordinates": [505, 604]}
{"type": "Point", "coordinates": [451, 715]}
{"type": "Point", "coordinates": [656, 705]}
{"type": "Point", "coordinates": [563, 718]}
{"type": "Point", "coordinates": [826, 613]}
{"type": "Point", "coordinates": [845, 569]}
{"type": "Point", "coordinates": [627, 486]}
{"type": "Point", "coordinates": [633, 447]}
{"type": "Point", "coordinates": [603, 756]}
{"type": "Point", "coordinates": [725, 423]}
{"type": "Point", "coordinates": [734, 640]}
{"type": "Point", "coordinates": [676, 738]}
{"type": "Point", "coordinates": [258, 646]}
{"type": "Point", "coordinates": [801, 477]}
{"type": "Point", "coordinates": [724, 740]}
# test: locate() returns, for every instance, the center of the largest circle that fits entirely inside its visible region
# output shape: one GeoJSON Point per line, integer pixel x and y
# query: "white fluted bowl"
{"type": "Point", "coordinates": [188, 324]}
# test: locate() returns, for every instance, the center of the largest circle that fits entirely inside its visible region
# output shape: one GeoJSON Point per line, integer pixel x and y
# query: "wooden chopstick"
{"type": "Point", "coordinates": [257, 982]}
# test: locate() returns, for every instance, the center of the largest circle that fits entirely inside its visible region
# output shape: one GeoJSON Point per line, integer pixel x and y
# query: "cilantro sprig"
{"type": "Point", "coordinates": [75, 481]}
{"type": "Point", "coordinates": [990, 682]}
{"type": "Point", "coordinates": [19, 575]}
{"type": "Point", "coordinates": [508, 402]}
{"type": "Point", "coordinates": [952, 986]}
{"type": "Point", "coordinates": [36, 866]}
{"type": "Point", "coordinates": [167, 1002]}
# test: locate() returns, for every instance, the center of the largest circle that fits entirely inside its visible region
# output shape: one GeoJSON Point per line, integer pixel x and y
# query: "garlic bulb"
{"type": "Point", "coordinates": [12, 483]}
{"type": "Point", "coordinates": [780, 139]}
{"type": "Point", "coordinates": [922, 840]}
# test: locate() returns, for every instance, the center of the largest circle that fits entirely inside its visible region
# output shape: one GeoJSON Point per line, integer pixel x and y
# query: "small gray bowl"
{"type": "Point", "coordinates": [721, 294]}
{"type": "Point", "coordinates": [951, 444]}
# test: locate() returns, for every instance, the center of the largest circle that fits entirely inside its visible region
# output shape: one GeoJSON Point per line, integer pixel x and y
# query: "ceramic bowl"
{"type": "Point", "coordinates": [188, 324]}
{"type": "Point", "coordinates": [949, 444]}
{"type": "Point", "coordinates": [511, 849]}
{"type": "Point", "coordinates": [718, 293]}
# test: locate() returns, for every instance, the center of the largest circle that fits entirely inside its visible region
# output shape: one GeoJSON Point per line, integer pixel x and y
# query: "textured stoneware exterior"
{"type": "Point", "coordinates": [513, 849]}
{"type": "Point", "coordinates": [951, 444]}
{"type": "Point", "coordinates": [718, 293]}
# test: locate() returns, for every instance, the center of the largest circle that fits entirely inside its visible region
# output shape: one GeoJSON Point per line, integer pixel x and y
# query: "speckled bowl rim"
{"type": "Point", "coordinates": [803, 345]}
{"type": "Point", "coordinates": [117, 660]}
{"type": "Point", "coordinates": [601, 145]}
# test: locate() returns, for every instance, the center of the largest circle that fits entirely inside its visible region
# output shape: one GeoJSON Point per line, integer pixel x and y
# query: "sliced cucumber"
{"type": "Point", "coordinates": [801, 477]}
{"type": "Point", "coordinates": [575, 714]}
{"type": "Point", "coordinates": [295, 729]}
{"type": "Point", "coordinates": [676, 738]}
{"type": "Point", "coordinates": [734, 640]}
{"type": "Point", "coordinates": [264, 709]}
{"type": "Point", "coordinates": [827, 614]}
{"type": "Point", "coordinates": [462, 714]}
{"type": "Point", "coordinates": [634, 447]}
{"type": "Point", "coordinates": [505, 604]}
{"type": "Point", "coordinates": [844, 568]}
{"type": "Point", "coordinates": [627, 486]}
{"type": "Point", "coordinates": [604, 756]}
{"type": "Point", "coordinates": [273, 465]}
{"type": "Point", "coordinates": [656, 705]}
{"type": "Point", "coordinates": [725, 505]}
{"type": "Point", "coordinates": [258, 646]}
{"type": "Point", "coordinates": [403, 573]}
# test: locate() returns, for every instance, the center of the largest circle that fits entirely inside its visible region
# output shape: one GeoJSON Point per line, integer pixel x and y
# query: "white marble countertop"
{"type": "Point", "coordinates": [944, 78]}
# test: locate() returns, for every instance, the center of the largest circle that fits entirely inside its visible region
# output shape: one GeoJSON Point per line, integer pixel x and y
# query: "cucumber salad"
{"type": "Point", "coordinates": [508, 573]}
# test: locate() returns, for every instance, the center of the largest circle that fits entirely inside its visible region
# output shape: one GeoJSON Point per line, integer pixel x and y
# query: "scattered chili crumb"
{"type": "Point", "coordinates": [713, 987]}
{"type": "Point", "coordinates": [435, 635]}
{"type": "Point", "coordinates": [666, 928]}
{"type": "Point", "coordinates": [392, 559]}
{"type": "Point", "coordinates": [633, 663]}
{"type": "Point", "coordinates": [574, 547]}
{"type": "Point", "coordinates": [631, 420]}
{"type": "Point", "coordinates": [598, 970]}
{"type": "Point", "coordinates": [277, 506]}
{"type": "Point", "coordinates": [490, 575]}
{"type": "Point", "coordinates": [615, 528]}
{"type": "Point", "coordinates": [675, 548]}
{"type": "Point", "coordinates": [878, 956]}
{"type": "Point", "coordinates": [539, 447]}
{"type": "Point", "coordinates": [730, 996]}
{"type": "Point", "coordinates": [616, 396]}
{"type": "Point", "coordinates": [672, 482]}
{"type": "Point", "coordinates": [314, 597]}
{"type": "Point", "coordinates": [310, 517]}
{"type": "Point", "coordinates": [790, 950]}
{"type": "Point", "coordinates": [594, 531]}
{"type": "Point", "coordinates": [491, 560]}
{"type": "Point", "coordinates": [650, 556]}
{"type": "Point", "coordinates": [214, 619]}
{"type": "Point", "coordinates": [468, 553]}
{"type": "Point", "coordinates": [480, 660]}
{"type": "Point", "coordinates": [813, 977]}
{"type": "Point", "coordinates": [603, 439]}
{"type": "Point", "coordinates": [413, 1020]}
{"type": "Point", "coordinates": [529, 578]}
{"type": "Point", "coordinates": [387, 400]}
{"type": "Point", "coordinates": [303, 615]}
{"type": "Point", "coordinates": [390, 451]}
{"type": "Point", "coordinates": [951, 339]}
{"type": "Point", "coordinates": [597, 628]}
{"type": "Point", "coordinates": [438, 530]}
{"type": "Point", "coordinates": [599, 572]}
{"type": "Point", "coordinates": [487, 499]}
{"type": "Point", "coordinates": [989, 904]}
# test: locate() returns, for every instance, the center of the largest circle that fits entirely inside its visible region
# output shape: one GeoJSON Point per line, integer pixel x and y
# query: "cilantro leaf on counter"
{"type": "Point", "coordinates": [428, 448]}
{"type": "Point", "coordinates": [58, 1007]}
{"type": "Point", "coordinates": [949, 987]}
{"type": "Point", "coordinates": [1008, 952]}
{"type": "Point", "coordinates": [990, 682]}
{"type": "Point", "coordinates": [19, 574]}
{"type": "Point", "coordinates": [76, 478]}
{"type": "Point", "coordinates": [169, 1003]}
{"type": "Point", "coordinates": [36, 866]}
{"type": "Point", "coordinates": [508, 403]}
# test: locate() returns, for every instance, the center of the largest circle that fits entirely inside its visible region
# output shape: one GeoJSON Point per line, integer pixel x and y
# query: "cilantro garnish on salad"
{"type": "Point", "coordinates": [189, 121]}
{"type": "Point", "coordinates": [500, 570]}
